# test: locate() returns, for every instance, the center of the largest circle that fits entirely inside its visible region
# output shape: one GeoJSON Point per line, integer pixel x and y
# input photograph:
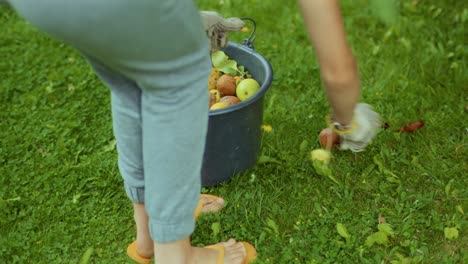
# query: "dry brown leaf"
{"type": "Point", "coordinates": [411, 127]}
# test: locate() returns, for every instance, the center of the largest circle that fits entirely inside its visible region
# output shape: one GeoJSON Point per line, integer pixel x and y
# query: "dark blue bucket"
{"type": "Point", "coordinates": [234, 133]}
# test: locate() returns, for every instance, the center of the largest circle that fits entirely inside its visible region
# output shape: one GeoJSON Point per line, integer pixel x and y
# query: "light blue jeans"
{"type": "Point", "coordinates": [153, 55]}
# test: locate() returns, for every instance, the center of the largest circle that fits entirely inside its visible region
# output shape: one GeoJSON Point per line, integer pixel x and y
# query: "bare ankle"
{"type": "Point", "coordinates": [178, 252]}
{"type": "Point", "coordinates": [202, 256]}
{"type": "Point", "coordinates": [144, 249]}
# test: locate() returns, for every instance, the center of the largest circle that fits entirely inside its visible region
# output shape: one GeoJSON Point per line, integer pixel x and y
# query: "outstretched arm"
{"type": "Point", "coordinates": [338, 67]}
{"type": "Point", "coordinates": [356, 124]}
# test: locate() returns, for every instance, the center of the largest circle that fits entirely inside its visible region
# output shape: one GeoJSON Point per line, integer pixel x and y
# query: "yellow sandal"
{"type": "Point", "coordinates": [135, 256]}
{"type": "Point", "coordinates": [251, 253]}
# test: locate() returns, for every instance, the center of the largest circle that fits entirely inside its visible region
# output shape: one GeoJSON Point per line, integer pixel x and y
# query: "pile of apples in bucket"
{"type": "Point", "coordinates": [229, 84]}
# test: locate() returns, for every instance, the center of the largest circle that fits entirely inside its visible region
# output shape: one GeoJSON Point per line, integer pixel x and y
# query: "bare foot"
{"type": "Point", "coordinates": [211, 204]}
{"type": "Point", "coordinates": [234, 253]}
{"type": "Point", "coordinates": [144, 243]}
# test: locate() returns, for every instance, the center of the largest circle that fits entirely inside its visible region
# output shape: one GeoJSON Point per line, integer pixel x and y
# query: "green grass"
{"type": "Point", "coordinates": [61, 196]}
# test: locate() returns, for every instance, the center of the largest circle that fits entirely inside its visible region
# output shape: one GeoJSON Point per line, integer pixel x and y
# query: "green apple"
{"type": "Point", "coordinates": [247, 88]}
{"type": "Point", "coordinates": [320, 154]}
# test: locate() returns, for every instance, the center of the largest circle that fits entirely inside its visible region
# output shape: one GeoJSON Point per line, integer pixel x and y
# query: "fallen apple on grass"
{"type": "Point", "coordinates": [320, 155]}
{"type": "Point", "coordinates": [320, 160]}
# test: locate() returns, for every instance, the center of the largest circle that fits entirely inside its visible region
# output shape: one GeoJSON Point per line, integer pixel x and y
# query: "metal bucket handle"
{"type": "Point", "coordinates": [249, 41]}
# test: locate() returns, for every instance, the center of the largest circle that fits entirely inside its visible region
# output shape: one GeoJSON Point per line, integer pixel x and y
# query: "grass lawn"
{"type": "Point", "coordinates": [61, 195]}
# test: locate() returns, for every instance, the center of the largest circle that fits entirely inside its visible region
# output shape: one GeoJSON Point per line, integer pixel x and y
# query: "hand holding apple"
{"type": "Point", "coordinates": [329, 138]}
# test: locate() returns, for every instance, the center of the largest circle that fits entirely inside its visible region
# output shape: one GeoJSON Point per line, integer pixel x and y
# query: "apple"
{"type": "Point", "coordinates": [216, 94]}
{"type": "Point", "coordinates": [247, 88]}
{"type": "Point", "coordinates": [329, 138]}
{"type": "Point", "coordinates": [214, 97]}
{"type": "Point", "coordinates": [321, 155]}
{"type": "Point", "coordinates": [219, 105]}
{"type": "Point", "coordinates": [226, 85]}
{"type": "Point", "coordinates": [230, 99]}
{"type": "Point", "coordinates": [214, 75]}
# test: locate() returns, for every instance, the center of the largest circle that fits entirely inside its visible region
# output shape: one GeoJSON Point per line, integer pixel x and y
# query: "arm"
{"type": "Point", "coordinates": [337, 64]}
{"type": "Point", "coordinates": [358, 123]}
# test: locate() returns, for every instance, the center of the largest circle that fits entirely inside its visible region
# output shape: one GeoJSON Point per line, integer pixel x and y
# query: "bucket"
{"type": "Point", "coordinates": [234, 133]}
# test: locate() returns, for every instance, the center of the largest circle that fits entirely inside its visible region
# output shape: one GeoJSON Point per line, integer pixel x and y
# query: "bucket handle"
{"type": "Point", "coordinates": [249, 41]}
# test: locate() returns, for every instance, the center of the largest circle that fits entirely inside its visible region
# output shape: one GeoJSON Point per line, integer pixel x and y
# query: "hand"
{"type": "Point", "coordinates": [365, 125]}
{"type": "Point", "coordinates": [216, 28]}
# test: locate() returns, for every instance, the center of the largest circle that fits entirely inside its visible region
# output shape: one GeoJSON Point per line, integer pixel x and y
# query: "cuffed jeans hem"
{"type": "Point", "coordinates": [135, 194]}
{"type": "Point", "coordinates": [167, 233]}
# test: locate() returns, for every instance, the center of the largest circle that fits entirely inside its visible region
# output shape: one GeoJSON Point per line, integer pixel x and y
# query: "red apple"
{"type": "Point", "coordinates": [226, 85]}
{"type": "Point", "coordinates": [230, 99]}
{"type": "Point", "coordinates": [329, 138]}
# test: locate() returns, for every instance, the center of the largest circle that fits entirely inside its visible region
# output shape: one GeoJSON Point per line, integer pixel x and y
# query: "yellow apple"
{"type": "Point", "coordinates": [219, 105]}
{"type": "Point", "coordinates": [320, 154]}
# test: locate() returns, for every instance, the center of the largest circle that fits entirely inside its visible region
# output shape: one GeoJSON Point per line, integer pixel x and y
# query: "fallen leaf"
{"type": "Point", "coordinates": [110, 146]}
{"type": "Point", "coordinates": [87, 256]}
{"type": "Point", "coordinates": [342, 230]}
{"type": "Point", "coordinates": [386, 228]}
{"type": "Point", "coordinates": [411, 127]}
{"type": "Point", "coordinates": [304, 145]}
{"type": "Point", "coordinates": [266, 159]}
